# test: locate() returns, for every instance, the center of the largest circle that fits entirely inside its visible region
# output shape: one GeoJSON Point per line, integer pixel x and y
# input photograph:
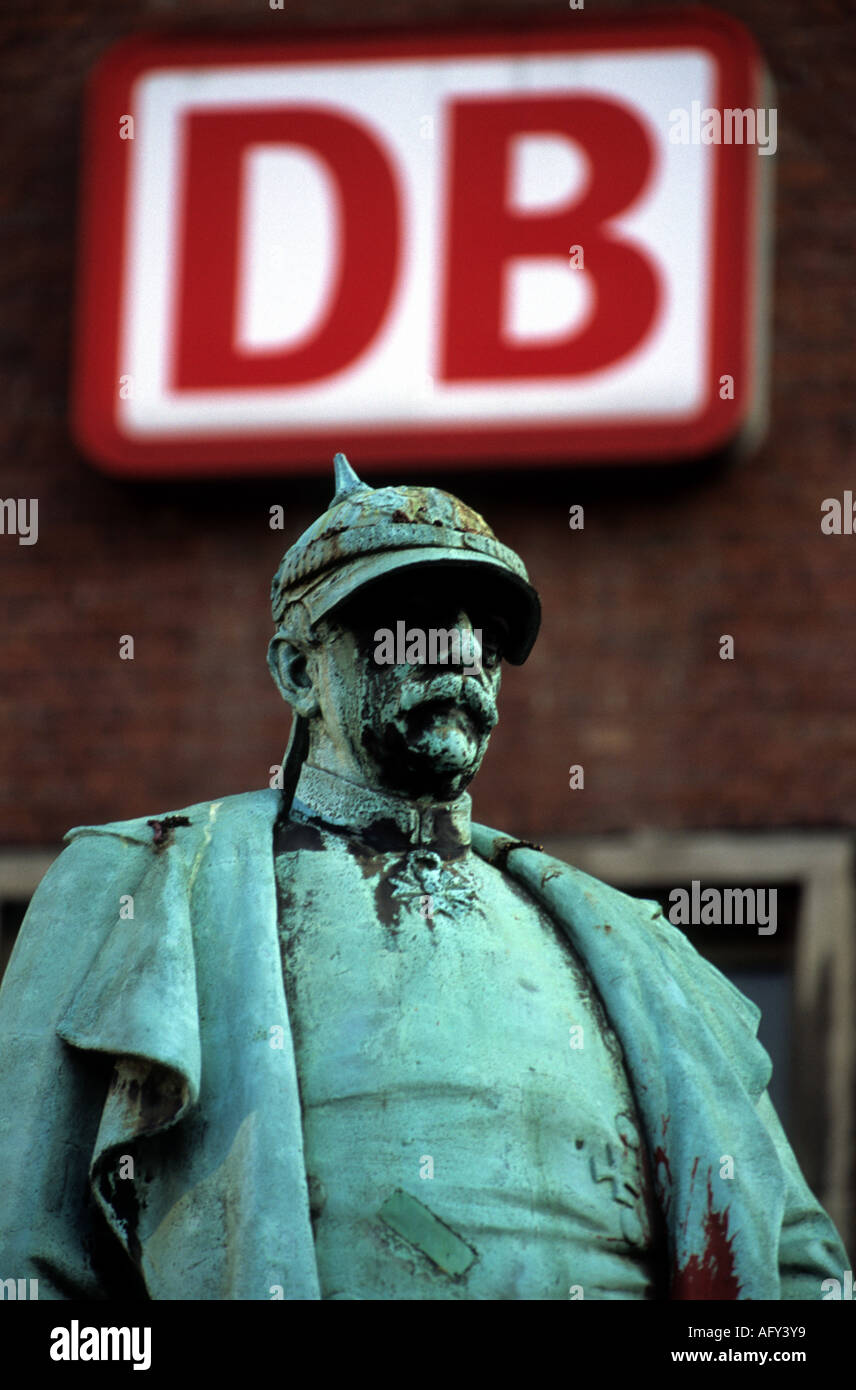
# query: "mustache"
{"type": "Point", "coordinates": [453, 689]}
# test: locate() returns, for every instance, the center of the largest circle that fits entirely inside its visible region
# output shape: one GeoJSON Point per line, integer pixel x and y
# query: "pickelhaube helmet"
{"type": "Point", "coordinates": [368, 533]}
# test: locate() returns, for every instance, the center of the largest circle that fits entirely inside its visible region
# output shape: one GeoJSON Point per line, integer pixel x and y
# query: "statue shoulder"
{"type": "Point", "coordinates": [496, 847]}
{"type": "Point", "coordinates": [189, 823]}
{"type": "Point", "coordinates": [92, 882]}
{"type": "Point", "coordinates": [96, 856]}
{"type": "Point", "coordinates": [600, 912]}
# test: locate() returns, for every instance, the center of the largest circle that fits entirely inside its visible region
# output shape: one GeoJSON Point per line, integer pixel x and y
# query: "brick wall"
{"type": "Point", "coordinates": [626, 678]}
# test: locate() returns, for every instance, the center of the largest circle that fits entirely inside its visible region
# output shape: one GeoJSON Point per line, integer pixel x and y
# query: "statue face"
{"type": "Point", "coordinates": [414, 724]}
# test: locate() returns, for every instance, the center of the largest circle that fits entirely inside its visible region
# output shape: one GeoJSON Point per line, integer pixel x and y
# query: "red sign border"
{"type": "Point", "coordinates": [733, 316]}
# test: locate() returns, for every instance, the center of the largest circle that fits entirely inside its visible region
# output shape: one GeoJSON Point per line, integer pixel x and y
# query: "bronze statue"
{"type": "Point", "coordinates": [332, 1040]}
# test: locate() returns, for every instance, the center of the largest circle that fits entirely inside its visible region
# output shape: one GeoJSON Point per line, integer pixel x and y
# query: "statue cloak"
{"type": "Point", "coordinates": [147, 1071]}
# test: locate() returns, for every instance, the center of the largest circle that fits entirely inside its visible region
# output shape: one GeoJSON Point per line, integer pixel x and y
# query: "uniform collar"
{"type": "Point", "coordinates": [384, 821]}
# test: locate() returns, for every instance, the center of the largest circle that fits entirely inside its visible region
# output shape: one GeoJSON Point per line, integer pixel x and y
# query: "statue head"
{"type": "Point", "coordinates": [394, 611]}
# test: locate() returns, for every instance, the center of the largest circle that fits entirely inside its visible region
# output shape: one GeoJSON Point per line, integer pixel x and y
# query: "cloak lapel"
{"type": "Point", "coordinates": [697, 1070]}
{"type": "Point", "coordinates": [188, 997]}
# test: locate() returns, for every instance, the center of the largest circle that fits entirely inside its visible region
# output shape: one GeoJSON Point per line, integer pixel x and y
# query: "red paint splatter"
{"type": "Point", "coordinates": [661, 1159]}
{"type": "Point", "coordinates": [714, 1275]}
{"type": "Point", "coordinates": [686, 1219]}
{"type": "Point", "coordinates": [660, 1156]}
{"type": "Point", "coordinates": [162, 829]}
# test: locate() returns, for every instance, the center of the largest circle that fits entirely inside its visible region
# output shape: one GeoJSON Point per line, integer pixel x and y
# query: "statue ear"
{"type": "Point", "coordinates": [288, 667]}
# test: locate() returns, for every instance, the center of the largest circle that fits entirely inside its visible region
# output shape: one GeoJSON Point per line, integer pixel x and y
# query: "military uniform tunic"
{"type": "Point", "coordinates": [470, 1130]}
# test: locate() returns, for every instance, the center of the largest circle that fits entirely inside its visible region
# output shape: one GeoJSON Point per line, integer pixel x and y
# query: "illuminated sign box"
{"type": "Point", "coordinates": [483, 248]}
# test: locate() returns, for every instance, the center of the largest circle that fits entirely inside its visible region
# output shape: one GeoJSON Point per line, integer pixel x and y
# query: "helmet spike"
{"type": "Point", "coordinates": [346, 479]}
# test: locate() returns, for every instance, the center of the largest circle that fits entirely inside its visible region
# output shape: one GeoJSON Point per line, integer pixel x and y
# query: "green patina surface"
{"type": "Point", "coordinates": [413, 1221]}
{"type": "Point", "coordinates": [167, 1039]}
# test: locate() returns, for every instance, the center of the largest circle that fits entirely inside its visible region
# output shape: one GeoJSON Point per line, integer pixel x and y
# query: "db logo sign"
{"type": "Point", "coordinates": [465, 247]}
